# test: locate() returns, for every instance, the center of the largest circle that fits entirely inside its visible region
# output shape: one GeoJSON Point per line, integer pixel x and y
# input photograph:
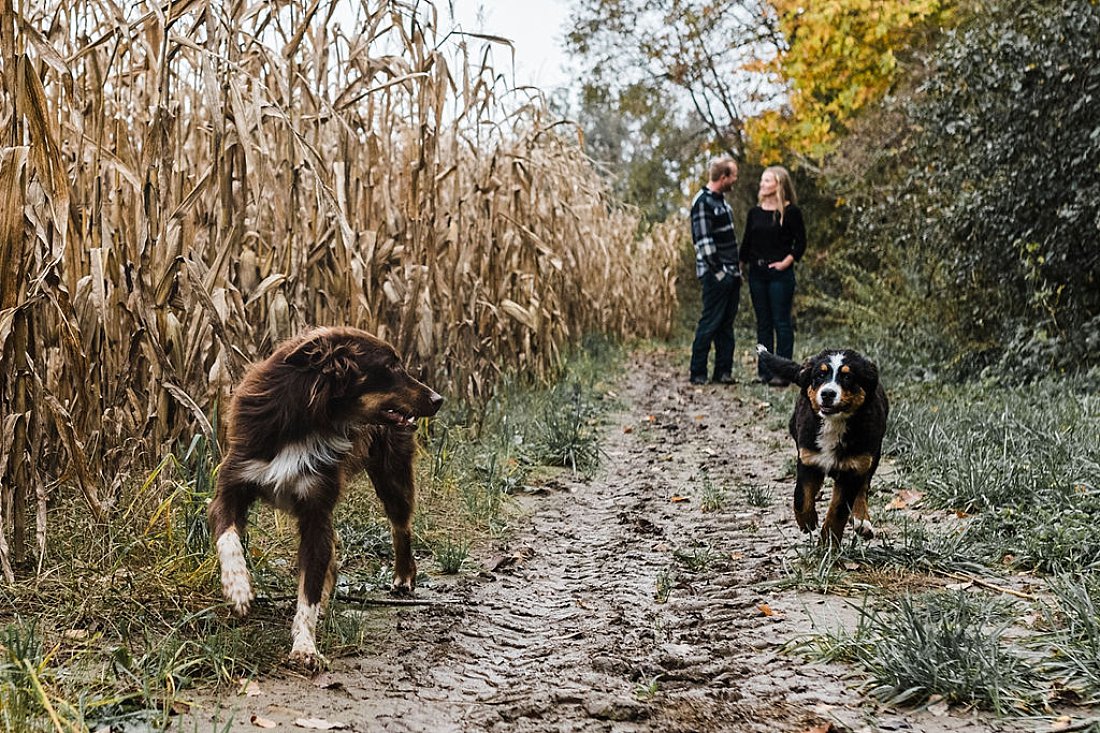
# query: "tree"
{"type": "Point", "coordinates": [647, 150]}
{"type": "Point", "coordinates": [990, 210]}
{"type": "Point", "coordinates": [834, 58]}
{"type": "Point", "coordinates": [690, 55]}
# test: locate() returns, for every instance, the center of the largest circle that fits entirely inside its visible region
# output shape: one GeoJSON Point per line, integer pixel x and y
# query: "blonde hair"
{"type": "Point", "coordinates": [785, 192]}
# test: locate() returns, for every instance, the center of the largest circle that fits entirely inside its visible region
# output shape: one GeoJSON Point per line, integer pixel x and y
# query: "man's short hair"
{"type": "Point", "coordinates": [721, 166]}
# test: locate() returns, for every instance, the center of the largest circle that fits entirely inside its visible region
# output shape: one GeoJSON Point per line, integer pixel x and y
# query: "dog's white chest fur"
{"type": "Point", "coordinates": [830, 437]}
{"type": "Point", "coordinates": [294, 468]}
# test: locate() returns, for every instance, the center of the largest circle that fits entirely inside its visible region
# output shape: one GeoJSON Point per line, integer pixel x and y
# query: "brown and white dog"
{"type": "Point", "coordinates": [326, 405]}
{"type": "Point", "coordinates": [838, 424]}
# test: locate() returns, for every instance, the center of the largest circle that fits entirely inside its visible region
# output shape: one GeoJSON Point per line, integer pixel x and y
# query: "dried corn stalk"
{"type": "Point", "coordinates": [189, 182]}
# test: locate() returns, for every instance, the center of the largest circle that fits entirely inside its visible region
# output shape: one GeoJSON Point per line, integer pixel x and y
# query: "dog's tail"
{"type": "Point", "coordinates": [778, 365]}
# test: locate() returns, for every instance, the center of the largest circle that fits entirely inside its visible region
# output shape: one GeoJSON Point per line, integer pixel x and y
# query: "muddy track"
{"type": "Point", "coordinates": [564, 630]}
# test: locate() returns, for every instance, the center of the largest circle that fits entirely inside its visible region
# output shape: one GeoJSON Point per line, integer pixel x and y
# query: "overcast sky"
{"type": "Point", "coordinates": [536, 27]}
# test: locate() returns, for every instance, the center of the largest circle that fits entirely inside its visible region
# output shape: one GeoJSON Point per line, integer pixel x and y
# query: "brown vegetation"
{"type": "Point", "coordinates": [186, 183]}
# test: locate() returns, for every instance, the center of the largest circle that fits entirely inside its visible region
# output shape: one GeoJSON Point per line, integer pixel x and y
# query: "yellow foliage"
{"type": "Point", "coordinates": [837, 56]}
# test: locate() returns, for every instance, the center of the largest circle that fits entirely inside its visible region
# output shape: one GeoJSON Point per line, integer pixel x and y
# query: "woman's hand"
{"type": "Point", "coordinates": [783, 264]}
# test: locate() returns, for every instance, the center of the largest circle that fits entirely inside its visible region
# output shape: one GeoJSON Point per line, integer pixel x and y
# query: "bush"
{"type": "Point", "coordinates": [989, 221]}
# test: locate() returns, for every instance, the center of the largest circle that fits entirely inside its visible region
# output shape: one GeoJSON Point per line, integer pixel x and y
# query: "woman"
{"type": "Point", "coordinates": [775, 238]}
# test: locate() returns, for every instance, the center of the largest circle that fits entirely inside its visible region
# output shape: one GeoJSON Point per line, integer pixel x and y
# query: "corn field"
{"type": "Point", "coordinates": [187, 183]}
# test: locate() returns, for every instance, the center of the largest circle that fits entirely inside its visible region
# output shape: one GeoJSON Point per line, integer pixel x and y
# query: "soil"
{"type": "Point", "coordinates": [565, 628]}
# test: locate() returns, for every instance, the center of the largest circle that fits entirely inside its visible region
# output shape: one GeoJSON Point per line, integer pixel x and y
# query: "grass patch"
{"type": "Point", "coordinates": [712, 497]}
{"type": "Point", "coordinates": [1025, 459]}
{"type": "Point", "coordinates": [757, 496]}
{"type": "Point", "coordinates": [698, 558]}
{"type": "Point", "coordinates": [1072, 653]}
{"type": "Point", "coordinates": [814, 568]}
{"type": "Point", "coordinates": [912, 546]}
{"type": "Point", "coordinates": [938, 644]}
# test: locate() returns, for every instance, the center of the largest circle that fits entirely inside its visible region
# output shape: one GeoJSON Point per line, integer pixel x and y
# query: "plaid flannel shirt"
{"type": "Point", "coordinates": [713, 235]}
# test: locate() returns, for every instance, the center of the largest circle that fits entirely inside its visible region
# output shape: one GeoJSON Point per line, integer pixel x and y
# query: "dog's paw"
{"type": "Point", "coordinates": [864, 528]}
{"type": "Point", "coordinates": [309, 660]}
{"type": "Point", "coordinates": [403, 586]}
{"type": "Point", "coordinates": [807, 521]}
{"type": "Point", "coordinates": [240, 603]}
{"type": "Point", "coordinates": [236, 582]}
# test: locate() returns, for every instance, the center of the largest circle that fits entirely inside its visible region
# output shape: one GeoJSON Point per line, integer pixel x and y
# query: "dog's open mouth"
{"type": "Point", "coordinates": [404, 422]}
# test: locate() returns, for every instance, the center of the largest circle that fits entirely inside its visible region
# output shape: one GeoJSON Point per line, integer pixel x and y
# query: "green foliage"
{"type": "Point", "coordinates": [647, 148]}
{"type": "Point", "coordinates": [451, 555]}
{"type": "Point", "coordinates": [686, 55]}
{"type": "Point", "coordinates": [697, 558]}
{"type": "Point", "coordinates": [947, 644]}
{"type": "Point", "coordinates": [916, 548]}
{"type": "Point", "coordinates": [836, 57]}
{"type": "Point", "coordinates": [1074, 641]}
{"type": "Point", "coordinates": [568, 430]}
{"type": "Point", "coordinates": [990, 220]}
{"type": "Point", "coordinates": [1026, 458]}
{"type": "Point", "coordinates": [712, 496]}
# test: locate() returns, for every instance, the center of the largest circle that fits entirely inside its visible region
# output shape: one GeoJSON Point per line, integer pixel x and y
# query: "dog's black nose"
{"type": "Point", "coordinates": [827, 398]}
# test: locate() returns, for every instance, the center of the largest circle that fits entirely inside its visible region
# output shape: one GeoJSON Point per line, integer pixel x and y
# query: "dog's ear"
{"type": "Point", "coordinates": [335, 361]}
{"type": "Point", "coordinates": [805, 374]}
{"type": "Point", "coordinates": [867, 373]}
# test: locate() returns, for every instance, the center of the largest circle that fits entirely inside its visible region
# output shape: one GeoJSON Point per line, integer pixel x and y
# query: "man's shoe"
{"type": "Point", "coordinates": [778, 382]}
{"type": "Point", "coordinates": [724, 379]}
{"type": "Point", "coordinates": [698, 380]}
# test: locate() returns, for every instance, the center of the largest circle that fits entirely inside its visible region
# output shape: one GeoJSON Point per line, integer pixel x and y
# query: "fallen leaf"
{"type": "Point", "coordinates": [851, 565]}
{"type": "Point", "coordinates": [250, 688]}
{"type": "Point", "coordinates": [628, 429]}
{"type": "Point", "coordinates": [959, 586]}
{"type": "Point", "coordinates": [676, 498]}
{"type": "Point", "coordinates": [320, 724]}
{"type": "Point", "coordinates": [765, 609]}
{"type": "Point", "coordinates": [905, 498]}
{"type": "Point", "coordinates": [179, 707]}
{"type": "Point", "coordinates": [1061, 723]}
{"type": "Point", "coordinates": [938, 706]}
{"type": "Point", "coordinates": [259, 722]}
{"type": "Point", "coordinates": [961, 514]}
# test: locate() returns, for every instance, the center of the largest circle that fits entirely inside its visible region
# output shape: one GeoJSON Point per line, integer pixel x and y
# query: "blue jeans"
{"type": "Point", "coordinates": [772, 294]}
{"type": "Point", "coordinates": [720, 300]}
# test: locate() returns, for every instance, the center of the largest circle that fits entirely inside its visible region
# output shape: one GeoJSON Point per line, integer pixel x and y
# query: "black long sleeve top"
{"type": "Point", "coordinates": [767, 241]}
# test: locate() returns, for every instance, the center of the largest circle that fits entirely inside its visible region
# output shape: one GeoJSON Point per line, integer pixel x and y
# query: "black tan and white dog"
{"type": "Point", "coordinates": [326, 405]}
{"type": "Point", "coordinates": [838, 424]}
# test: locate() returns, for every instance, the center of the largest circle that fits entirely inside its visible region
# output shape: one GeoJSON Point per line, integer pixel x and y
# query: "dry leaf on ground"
{"type": "Point", "coordinates": [320, 724]}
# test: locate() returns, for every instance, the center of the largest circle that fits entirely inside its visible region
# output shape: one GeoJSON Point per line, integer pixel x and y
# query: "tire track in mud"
{"type": "Point", "coordinates": [565, 633]}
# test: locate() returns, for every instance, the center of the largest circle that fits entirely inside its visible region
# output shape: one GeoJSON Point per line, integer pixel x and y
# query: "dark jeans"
{"type": "Point", "coordinates": [720, 300]}
{"type": "Point", "coordinates": [772, 294]}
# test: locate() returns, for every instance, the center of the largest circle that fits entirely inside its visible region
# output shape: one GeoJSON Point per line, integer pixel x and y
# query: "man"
{"type": "Point", "coordinates": [717, 270]}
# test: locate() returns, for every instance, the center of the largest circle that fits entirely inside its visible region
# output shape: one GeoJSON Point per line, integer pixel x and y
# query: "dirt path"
{"type": "Point", "coordinates": [567, 632]}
